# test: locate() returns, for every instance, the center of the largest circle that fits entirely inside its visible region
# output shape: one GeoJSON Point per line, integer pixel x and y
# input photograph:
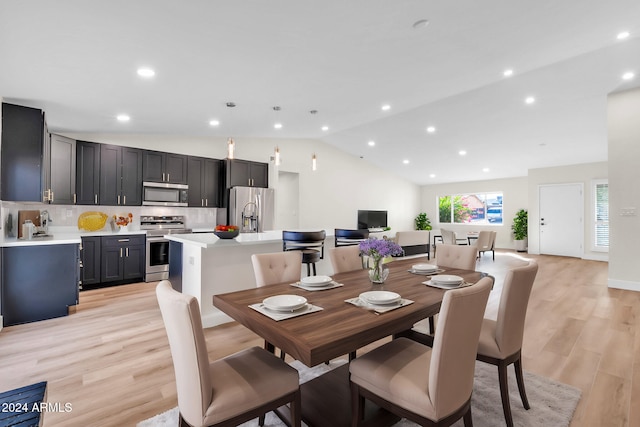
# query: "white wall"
{"type": "Point", "coordinates": [515, 197]}
{"type": "Point", "coordinates": [570, 174]}
{"type": "Point", "coordinates": [329, 197]}
{"type": "Point", "coordinates": [624, 178]}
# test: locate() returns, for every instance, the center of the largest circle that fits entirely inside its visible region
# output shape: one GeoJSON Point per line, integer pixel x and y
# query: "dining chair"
{"type": "Point", "coordinates": [228, 391]}
{"type": "Point", "coordinates": [310, 243]}
{"type": "Point", "coordinates": [345, 258]}
{"type": "Point", "coordinates": [346, 237]}
{"type": "Point", "coordinates": [277, 267]}
{"type": "Point", "coordinates": [429, 386]}
{"type": "Point", "coordinates": [500, 340]}
{"type": "Point", "coordinates": [448, 237]}
{"type": "Point", "coordinates": [485, 243]}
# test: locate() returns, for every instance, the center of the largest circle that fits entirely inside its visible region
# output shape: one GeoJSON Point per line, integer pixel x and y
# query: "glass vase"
{"type": "Point", "coordinates": [378, 271]}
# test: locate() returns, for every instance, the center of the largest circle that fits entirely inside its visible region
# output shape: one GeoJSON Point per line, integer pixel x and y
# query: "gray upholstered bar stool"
{"type": "Point", "coordinates": [310, 243]}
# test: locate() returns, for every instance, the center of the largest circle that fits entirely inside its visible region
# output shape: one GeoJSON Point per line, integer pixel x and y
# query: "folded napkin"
{"type": "Point", "coordinates": [331, 285]}
{"type": "Point", "coordinates": [282, 315]}
{"type": "Point", "coordinates": [426, 273]}
{"type": "Point", "coordinates": [378, 308]}
{"type": "Point", "coordinates": [447, 287]}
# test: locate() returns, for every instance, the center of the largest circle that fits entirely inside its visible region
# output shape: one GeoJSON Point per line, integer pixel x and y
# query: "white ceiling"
{"type": "Point", "coordinates": [77, 60]}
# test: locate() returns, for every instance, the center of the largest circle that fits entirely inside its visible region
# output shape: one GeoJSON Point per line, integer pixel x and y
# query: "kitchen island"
{"type": "Point", "coordinates": [207, 265]}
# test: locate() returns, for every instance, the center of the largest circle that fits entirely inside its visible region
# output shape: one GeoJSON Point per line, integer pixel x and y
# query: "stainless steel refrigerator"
{"type": "Point", "coordinates": [252, 209]}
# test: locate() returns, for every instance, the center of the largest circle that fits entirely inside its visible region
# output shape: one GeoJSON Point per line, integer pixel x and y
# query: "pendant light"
{"type": "Point", "coordinates": [276, 156]}
{"type": "Point", "coordinates": [231, 145]}
{"type": "Point", "coordinates": [314, 162]}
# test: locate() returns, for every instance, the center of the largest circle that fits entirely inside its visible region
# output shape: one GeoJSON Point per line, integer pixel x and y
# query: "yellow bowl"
{"type": "Point", "coordinates": [92, 221]}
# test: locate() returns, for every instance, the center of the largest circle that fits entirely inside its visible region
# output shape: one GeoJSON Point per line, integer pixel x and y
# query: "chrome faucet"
{"type": "Point", "coordinates": [44, 221]}
{"type": "Point", "coordinates": [250, 220]}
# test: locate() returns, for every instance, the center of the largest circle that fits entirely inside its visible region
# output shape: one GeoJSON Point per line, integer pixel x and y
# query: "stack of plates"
{"type": "Point", "coordinates": [285, 302]}
{"type": "Point", "coordinates": [447, 280]}
{"type": "Point", "coordinates": [379, 297]}
{"type": "Point", "coordinates": [424, 268]}
{"type": "Point", "coordinates": [313, 281]}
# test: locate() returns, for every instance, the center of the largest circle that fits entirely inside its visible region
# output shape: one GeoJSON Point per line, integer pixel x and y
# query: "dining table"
{"type": "Point", "coordinates": [338, 327]}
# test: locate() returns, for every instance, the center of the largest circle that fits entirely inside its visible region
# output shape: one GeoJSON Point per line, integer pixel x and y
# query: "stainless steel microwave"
{"type": "Point", "coordinates": [164, 194]}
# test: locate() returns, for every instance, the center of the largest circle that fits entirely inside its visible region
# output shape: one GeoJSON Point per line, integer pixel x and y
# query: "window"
{"type": "Point", "coordinates": [479, 208]}
{"type": "Point", "coordinates": [601, 215]}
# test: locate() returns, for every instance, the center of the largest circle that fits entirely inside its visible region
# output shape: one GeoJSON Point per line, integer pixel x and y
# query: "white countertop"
{"type": "Point", "coordinates": [62, 236]}
{"type": "Point", "coordinates": [210, 240]}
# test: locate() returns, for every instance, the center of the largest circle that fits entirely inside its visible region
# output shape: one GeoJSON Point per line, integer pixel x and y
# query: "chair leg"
{"type": "Point", "coordinates": [468, 420]}
{"type": "Point", "coordinates": [352, 356]}
{"type": "Point", "coordinates": [314, 268]}
{"type": "Point", "coordinates": [308, 270]}
{"type": "Point", "coordinates": [504, 393]}
{"type": "Point", "coordinates": [357, 406]}
{"type": "Point", "coordinates": [432, 326]}
{"type": "Point", "coordinates": [261, 420]}
{"type": "Point", "coordinates": [523, 394]}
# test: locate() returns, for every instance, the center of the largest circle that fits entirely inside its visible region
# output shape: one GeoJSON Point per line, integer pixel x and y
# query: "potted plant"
{"type": "Point", "coordinates": [520, 229]}
{"type": "Point", "coordinates": [422, 222]}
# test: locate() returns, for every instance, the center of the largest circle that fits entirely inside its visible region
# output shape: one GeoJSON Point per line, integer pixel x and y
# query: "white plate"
{"type": "Point", "coordinates": [316, 280]}
{"type": "Point", "coordinates": [284, 302]}
{"type": "Point", "coordinates": [379, 297]}
{"type": "Point", "coordinates": [447, 279]}
{"type": "Point", "coordinates": [424, 267]}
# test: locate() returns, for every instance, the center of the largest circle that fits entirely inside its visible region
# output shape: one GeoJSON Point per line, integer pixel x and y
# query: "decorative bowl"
{"type": "Point", "coordinates": [226, 234]}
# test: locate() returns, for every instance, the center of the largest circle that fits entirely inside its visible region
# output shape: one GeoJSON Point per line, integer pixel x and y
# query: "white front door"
{"type": "Point", "coordinates": [561, 219]}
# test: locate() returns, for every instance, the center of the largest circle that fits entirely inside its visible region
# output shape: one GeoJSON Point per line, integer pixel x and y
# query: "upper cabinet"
{"type": "Point", "coordinates": [120, 176]}
{"type": "Point", "coordinates": [164, 167]}
{"type": "Point", "coordinates": [87, 173]}
{"type": "Point", "coordinates": [244, 173]}
{"type": "Point", "coordinates": [23, 130]}
{"type": "Point", "coordinates": [59, 170]}
{"type": "Point", "coordinates": [204, 182]}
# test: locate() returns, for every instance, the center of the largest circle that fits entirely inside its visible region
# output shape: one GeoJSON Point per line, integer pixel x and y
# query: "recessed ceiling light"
{"type": "Point", "coordinates": [386, 107]}
{"type": "Point", "coordinates": [371, 143]}
{"type": "Point", "coordinates": [146, 72]}
{"type": "Point", "coordinates": [123, 118]}
{"type": "Point", "coordinates": [214, 123]}
{"type": "Point", "coordinates": [278, 126]}
{"type": "Point", "coordinates": [529, 100]}
{"type": "Point", "coordinates": [431, 129]}
{"type": "Point", "coordinates": [507, 73]}
{"type": "Point", "coordinates": [325, 128]}
{"type": "Point", "coordinates": [485, 169]}
{"type": "Point", "coordinates": [623, 35]}
{"type": "Point", "coordinates": [421, 23]}
{"type": "Point", "coordinates": [628, 76]}
{"type": "Point", "coordinates": [433, 175]}
{"type": "Point", "coordinates": [405, 161]}
{"type": "Point", "coordinates": [462, 152]}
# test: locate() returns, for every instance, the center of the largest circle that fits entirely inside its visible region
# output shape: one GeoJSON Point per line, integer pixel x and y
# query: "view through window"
{"type": "Point", "coordinates": [479, 208]}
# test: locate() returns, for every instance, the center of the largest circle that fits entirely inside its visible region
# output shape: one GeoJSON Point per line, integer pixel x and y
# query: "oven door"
{"type": "Point", "coordinates": [157, 266]}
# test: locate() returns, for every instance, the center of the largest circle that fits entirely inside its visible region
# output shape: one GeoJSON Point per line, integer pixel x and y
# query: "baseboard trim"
{"type": "Point", "coordinates": [624, 284]}
{"type": "Point", "coordinates": [596, 257]}
{"type": "Point", "coordinates": [215, 319]}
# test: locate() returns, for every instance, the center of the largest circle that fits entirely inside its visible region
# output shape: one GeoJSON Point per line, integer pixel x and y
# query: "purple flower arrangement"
{"type": "Point", "coordinates": [379, 248]}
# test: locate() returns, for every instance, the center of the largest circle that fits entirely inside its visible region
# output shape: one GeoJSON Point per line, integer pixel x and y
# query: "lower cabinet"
{"type": "Point", "coordinates": [90, 261]}
{"type": "Point", "coordinates": [39, 282]}
{"type": "Point", "coordinates": [122, 258]}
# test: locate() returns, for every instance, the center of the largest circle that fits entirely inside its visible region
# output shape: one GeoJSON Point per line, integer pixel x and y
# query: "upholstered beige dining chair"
{"type": "Point", "coordinates": [448, 237]}
{"type": "Point", "coordinates": [485, 243]}
{"type": "Point", "coordinates": [501, 340]}
{"type": "Point", "coordinates": [228, 391]}
{"type": "Point", "coordinates": [345, 258]}
{"type": "Point", "coordinates": [457, 256]}
{"type": "Point", "coordinates": [429, 386]}
{"type": "Point", "coordinates": [277, 267]}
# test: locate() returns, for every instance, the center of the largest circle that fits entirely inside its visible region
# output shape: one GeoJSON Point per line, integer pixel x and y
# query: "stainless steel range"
{"type": "Point", "coordinates": [157, 266]}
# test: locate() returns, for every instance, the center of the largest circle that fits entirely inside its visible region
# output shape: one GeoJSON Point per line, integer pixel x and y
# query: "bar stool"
{"type": "Point", "coordinates": [310, 243]}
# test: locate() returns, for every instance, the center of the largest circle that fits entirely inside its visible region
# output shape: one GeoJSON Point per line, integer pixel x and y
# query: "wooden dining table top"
{"type": "Point", "coordinates": [340, 327]}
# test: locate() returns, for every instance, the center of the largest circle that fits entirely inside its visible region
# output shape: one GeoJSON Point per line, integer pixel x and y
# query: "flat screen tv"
{"type": "Point", "coordinates": [372, 219]}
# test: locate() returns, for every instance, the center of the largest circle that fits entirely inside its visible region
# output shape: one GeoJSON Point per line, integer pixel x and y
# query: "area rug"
{"type": "Point", "coordinates": [552, 403]}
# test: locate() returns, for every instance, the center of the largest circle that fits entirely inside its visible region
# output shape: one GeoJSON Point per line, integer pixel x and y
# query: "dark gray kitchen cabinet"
{"type": "Point", "coordinates": [87, 173]}
{"type": "Point", "coordinates": [38, 282]}
{"type": "Point", "coordinates": [21, 153]}
{"type": "Point", "coordinates": [122, 258]}
{"type": "Point", "coordinates": [59, 170]}
{"type": "Point", "coordinates": [204, 182]}
{"type": "Point", "coordinates": [90, 255]}
{"type": "Point", "coordinates": [245, 173]}
{"type": "Point", "coordinates": [120, 176]}
{"type": "Point", "coordinates": [158, 166]}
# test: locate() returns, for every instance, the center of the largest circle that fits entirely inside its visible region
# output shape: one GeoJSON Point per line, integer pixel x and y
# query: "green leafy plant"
{"type": "Point", "coordinates": [520, 225]}
{"type": "Point", "coordinates": [422, 222]}
{"type": "Point", "coordinates": [461, 212]}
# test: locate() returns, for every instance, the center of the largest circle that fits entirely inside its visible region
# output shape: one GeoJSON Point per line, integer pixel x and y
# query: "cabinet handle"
{"type": "Point", "coordinates": [206, 202]}
{"type": "Point", "coordinates": [123, 240]}
{"type": "Point", "coordinates": [74, 198]}
{"type": "Point", "coordinates": [51, 199]}
{"type": "Point", "coordinates": [120, 252]}
{"type": "Point", "coordinates": [118, 199]}
{"type": "Point", "coordinates": [127, 252]}
{"type": "Point", "coordinates": [163, 177]}
{"type": "Point", "coordinates": [95, 199]}
{"type": "Point", "coordinates": [124, 201]}
{"type": "Point", "coordinates": [168, 179]}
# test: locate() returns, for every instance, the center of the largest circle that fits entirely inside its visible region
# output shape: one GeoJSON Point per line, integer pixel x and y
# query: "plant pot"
{"type": "Point", "coordinates": [521, 245]}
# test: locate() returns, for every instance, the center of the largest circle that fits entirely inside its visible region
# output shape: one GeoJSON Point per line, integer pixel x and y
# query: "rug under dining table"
{"type": "Point", "coordinates": [552, 403]}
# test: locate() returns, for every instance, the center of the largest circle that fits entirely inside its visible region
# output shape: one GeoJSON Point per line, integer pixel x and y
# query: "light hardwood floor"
{"type": "Point", "coordinates": [111, 358]}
